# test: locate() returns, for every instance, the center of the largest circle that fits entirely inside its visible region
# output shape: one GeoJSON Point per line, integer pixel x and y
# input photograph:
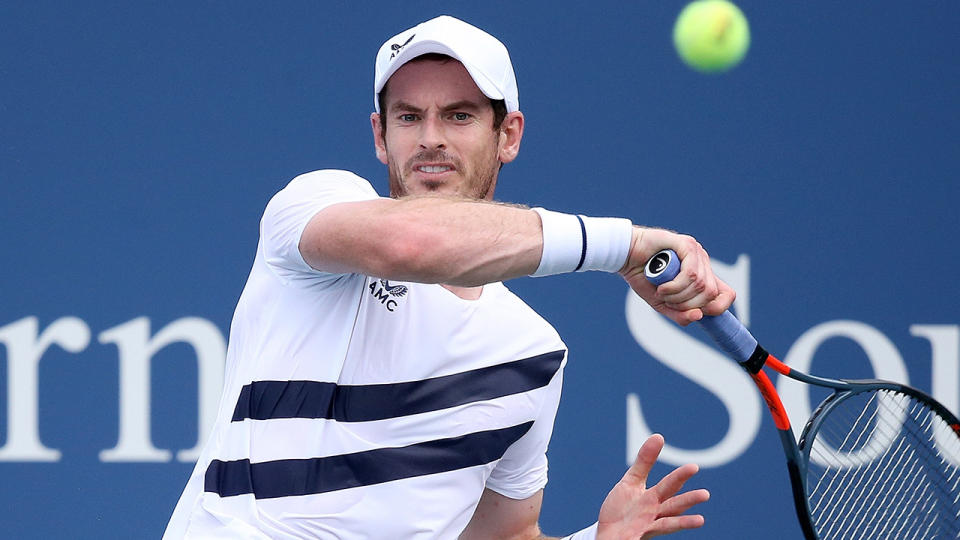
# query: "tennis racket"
{"type": "Point", "coordinates": [877, 459]}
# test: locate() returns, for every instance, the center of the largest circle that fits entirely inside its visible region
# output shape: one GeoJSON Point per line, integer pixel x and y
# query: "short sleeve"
{"type": "Point", "coordinates": [289, 211]}
{"type": "Point", "coordinates": [523, 469]}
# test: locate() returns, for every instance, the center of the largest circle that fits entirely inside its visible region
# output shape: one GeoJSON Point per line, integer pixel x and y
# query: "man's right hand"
{"type": "Point", "coordinates": [695, 292]}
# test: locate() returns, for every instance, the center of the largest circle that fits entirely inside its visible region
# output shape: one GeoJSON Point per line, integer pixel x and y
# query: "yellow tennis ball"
{"type": "Point", "coordinates": [711, 35]}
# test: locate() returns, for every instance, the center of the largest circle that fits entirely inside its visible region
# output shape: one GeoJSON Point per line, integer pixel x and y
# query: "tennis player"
{"type": "Point", "coordinates": [381, 381]}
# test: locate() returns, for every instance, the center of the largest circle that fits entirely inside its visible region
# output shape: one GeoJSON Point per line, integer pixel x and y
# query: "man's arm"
{"type": "Point", "coordinates": [500, 517]}
{"type": "Point", "coordinates": [469, 243]}
{"type": "Point", "coordinates": [425, 239]}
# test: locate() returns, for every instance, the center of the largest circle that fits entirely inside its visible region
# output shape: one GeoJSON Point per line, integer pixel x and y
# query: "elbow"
{"type": "Point", "coordinates": [412, 254]}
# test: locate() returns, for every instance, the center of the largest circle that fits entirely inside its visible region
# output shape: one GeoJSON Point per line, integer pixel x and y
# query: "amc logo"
{"type": "Point", "coordinates": [387, 294]}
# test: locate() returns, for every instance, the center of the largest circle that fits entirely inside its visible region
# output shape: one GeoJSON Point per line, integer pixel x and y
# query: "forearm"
{"type": "Point", "coordinates": [425, 239]}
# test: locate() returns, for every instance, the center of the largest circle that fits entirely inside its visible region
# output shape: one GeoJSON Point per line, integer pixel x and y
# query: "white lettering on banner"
{"type": "Point", "coordinates": [136, 349]}
{"type": "Point", "coordinates": [705, 366]}
{"type": "Point", "coordinates": [885, 360]}
{"type": "Point", "coordinates": [25, 348]}
{"type": "Point", "coordinates": [702, 364]}
{"type": "Point", "coordinates": [945, 351]}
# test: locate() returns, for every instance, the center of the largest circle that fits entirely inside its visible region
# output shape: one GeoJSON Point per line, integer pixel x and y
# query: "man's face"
{"type": "Point", "coordinates": [439, 132]}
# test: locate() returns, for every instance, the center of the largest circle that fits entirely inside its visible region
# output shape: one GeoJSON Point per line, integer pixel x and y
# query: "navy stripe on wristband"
{"type": "Point", "coordinates": [583, 250]}
{"type": "Point", "coordinates": [607, 248]}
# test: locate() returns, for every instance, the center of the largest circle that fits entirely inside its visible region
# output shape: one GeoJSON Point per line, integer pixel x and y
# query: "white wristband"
{"type": "Point", "coordinates": [590, 533]}
{"type": "Point", "coordinates": [579, 243]}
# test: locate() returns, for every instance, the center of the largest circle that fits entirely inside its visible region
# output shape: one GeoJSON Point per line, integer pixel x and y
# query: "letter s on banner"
{"type": "Point", "coordinates": [704, 365]}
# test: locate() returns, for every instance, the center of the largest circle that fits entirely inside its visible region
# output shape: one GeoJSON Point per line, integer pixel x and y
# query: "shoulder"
{"type": "Point", "coordinates": [328, 180]}
{"type": "Point", "coordinates": [310, 192]}
{"type": "Point", "coordinates": [291, 209]}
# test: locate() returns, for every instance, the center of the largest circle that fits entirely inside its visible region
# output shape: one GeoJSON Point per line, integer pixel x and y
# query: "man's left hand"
{"type": "Point", "coordinates": [632, 510]}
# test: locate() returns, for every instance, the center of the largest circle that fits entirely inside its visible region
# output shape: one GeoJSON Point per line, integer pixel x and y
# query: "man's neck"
{"type": "Point", "coordinates": [467, 293]}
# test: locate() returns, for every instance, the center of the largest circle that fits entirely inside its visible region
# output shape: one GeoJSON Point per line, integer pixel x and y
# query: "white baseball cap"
{"type": "Point", "coordinates": [485, 58]}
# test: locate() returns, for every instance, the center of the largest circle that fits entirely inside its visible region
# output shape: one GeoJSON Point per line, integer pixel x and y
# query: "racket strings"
{"type": "Point", "coordinates": [883, 465]}
{"type": "Point", "coordinates": [855, 495]}
{"type": "Point", "coordinates": [900, 458]}
{"type": "Point", "coordinates": [831, 490]}
{"type": "Point", "coordinates": [840, 489]}
{"type": "Point", "coordinates": [887, 518]}
{"type": "Point", "coordinates": [891, 517]}
{"type": "Point", "coordinates": [852, 499]}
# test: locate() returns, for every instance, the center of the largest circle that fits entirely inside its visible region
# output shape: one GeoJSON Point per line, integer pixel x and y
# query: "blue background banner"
{"type": "Point", "coordinates": [140, 142]}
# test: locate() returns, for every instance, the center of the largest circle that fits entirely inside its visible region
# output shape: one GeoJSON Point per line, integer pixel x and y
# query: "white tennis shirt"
{"type": "Point", "coordinates": [357, 408]}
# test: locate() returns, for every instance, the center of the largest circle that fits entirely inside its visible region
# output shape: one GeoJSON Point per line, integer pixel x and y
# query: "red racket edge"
{"type": "Point", "coordinates": [787, 440]}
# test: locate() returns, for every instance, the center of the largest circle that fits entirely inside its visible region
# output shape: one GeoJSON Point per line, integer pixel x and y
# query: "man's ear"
{"type": "Point", "coordinates": [511, 131]}
{"type": "Point", "coordinates": [378, 142]}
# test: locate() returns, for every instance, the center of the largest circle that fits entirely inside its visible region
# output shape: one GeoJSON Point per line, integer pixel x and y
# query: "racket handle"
{"type": "Point", "coordinates": [728, 332]}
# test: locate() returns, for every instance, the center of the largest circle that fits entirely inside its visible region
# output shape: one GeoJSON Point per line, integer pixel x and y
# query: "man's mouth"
{"type": "Point", "coordinates": [433, 169]}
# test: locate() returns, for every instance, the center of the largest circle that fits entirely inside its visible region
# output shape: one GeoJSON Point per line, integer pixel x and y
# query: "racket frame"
{"type": "Point", "coordinates": [734, 339]}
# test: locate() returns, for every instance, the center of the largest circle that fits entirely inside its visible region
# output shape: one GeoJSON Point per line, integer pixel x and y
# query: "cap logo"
{"type": "Point", "coordinates": [396, 48]}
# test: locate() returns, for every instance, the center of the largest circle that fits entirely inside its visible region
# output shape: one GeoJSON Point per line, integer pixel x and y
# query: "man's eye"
{"type": "Point", "coordinates": [408, 117]}
{"type": "Point", "coordinates": [461, 117]}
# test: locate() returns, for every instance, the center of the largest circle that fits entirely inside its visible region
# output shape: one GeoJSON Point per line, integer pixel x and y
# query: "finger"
{"type": "Point", "coordinates": [694, 286]}
{"type": "Point", "coordinates": [723, 301]}
{"type": "Point", "coordinates": [643, 288]}
{"type": "Point", "coordinates": [690, 267]}
{"type": "Point", "coordinates": [684, 245]}
{"type": "Point", "coordinates": [697, 297]}
{"type": "Point", "coordinates": [679, 504]}
{"type": "Point", "coordinates": [647, 456]}
{"type": "Point", "coordinates": [681, 283]}
{"type": "Point", "coordinates": [647, 292]}
{"type": "Point", "coordinates": [673, 482]}
{"type": "Point", "coordinates": [696, 278]}
{"type": "Point", "coordinates": [683, 318]}
{"type": "Point", "coordinates": [669, 525]}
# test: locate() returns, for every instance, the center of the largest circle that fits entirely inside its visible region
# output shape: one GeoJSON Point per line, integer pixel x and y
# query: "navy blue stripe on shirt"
{"type": "Point", "coordinates": [291, 477]}
{"type": "Point", "coordinates": [266, 400]}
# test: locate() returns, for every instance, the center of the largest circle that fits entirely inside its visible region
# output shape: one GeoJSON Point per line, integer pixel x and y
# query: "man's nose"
{"type": "Point", "coordinates": [432, 133]}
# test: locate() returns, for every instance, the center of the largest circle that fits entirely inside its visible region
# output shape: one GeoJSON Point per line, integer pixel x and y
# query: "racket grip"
{"type": "Point", "coordinates": [728, 332]}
